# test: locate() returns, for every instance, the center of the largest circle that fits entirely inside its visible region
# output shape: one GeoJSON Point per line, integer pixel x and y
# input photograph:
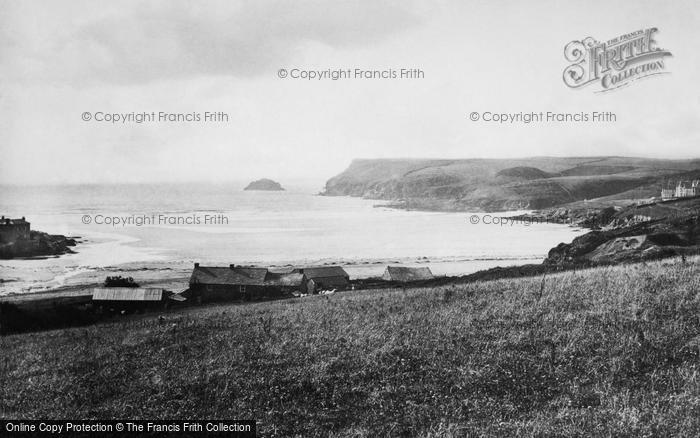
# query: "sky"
{"type": "Point", "coordinates": [59, 60]}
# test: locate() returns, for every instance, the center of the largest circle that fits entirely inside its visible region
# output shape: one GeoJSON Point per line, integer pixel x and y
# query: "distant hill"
{"type": "Point", "coordinates": [264, 184]}
{"type": "Point", "coordinates": [502, 184]}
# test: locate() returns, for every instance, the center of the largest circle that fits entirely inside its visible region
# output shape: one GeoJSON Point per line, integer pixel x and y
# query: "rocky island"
{"type": "Point", "coordinates": [265, 184]}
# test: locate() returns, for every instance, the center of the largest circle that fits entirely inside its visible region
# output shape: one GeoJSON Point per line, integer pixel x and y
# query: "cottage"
{"type": "Point", "coordinates": [129, 298]}
{"type": "Point", "coordinates": [12, 230]}
{"type": "Point", "coordinates": [227, 283]}
{"type": "Point", "coordinates": [403, 274]}
{"type": "Point", "coordinates": [325, 277]}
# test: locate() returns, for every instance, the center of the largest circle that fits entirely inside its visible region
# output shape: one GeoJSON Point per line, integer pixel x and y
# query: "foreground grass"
{"type": "Point", "coordinates": [606, 351]}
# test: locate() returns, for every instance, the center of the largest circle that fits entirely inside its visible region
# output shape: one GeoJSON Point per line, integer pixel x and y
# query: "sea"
{"type": "Point", "coordinates": [156, 232]}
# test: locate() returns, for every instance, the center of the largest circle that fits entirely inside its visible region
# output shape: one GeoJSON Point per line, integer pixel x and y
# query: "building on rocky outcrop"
{"type": "Point", "coordinates": [12, 230]}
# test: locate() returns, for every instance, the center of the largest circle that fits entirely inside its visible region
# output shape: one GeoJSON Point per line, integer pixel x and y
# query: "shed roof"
{"type": "Point", "coordinates": [228, 275]}
{"type": "Point", "coordinates": [404, 273]}
{"type": "Point", "coordinates": [127, 294]}
{"type": "Point", "coordinates": [322, 272]}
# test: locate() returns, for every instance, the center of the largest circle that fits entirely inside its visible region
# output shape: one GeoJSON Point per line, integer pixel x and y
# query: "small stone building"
{"type": "Point", "coordinates": [12, 230]}
{"type": "Point", "coordinates": [214, 283]}
{"type": "Point", "coordinates": [324, 277]}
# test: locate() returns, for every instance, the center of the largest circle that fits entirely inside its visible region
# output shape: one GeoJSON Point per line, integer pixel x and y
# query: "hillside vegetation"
{"type": "Point", "coordinates": [503, 184]}
{"type": "Point", "coordinates": [602, 352]}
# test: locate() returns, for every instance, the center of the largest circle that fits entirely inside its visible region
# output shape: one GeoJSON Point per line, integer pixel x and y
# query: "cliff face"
{"type": "Point", "coordinates": [498, 185]}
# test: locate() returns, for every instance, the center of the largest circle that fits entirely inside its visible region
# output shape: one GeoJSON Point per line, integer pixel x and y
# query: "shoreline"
{"type": "Point", "coordinates": [73, 306]}
{"type": "Point", "coordinates": [174, 276]}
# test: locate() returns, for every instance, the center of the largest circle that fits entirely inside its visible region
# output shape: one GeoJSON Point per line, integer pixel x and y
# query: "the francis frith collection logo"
{"type": "Point", "coordinates": [614, 63]}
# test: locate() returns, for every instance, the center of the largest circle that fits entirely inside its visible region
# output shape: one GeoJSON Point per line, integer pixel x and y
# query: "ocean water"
{"type": "Point", "coordinates": [156, 232]}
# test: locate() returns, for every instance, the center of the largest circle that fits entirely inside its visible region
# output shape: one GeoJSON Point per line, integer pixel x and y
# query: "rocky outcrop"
{"type": "Point", "coordinates": [587, 218]}
{"type": "Point", "coordinates": [265, 185]}
{"type": "Point", "coordinates": [38, 245]}
{"type": "Point", "coordinates": [642, 241]}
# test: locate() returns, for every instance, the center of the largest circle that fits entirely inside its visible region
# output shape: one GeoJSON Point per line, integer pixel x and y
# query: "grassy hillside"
{"type": "Point", "coordinates": [502, 184]}
{"type": "Point", "coordinates": [608, 351]}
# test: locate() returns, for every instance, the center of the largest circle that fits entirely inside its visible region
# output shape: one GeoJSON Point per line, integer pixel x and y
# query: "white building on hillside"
{"type": "Point", "coordinates": [684, 189]}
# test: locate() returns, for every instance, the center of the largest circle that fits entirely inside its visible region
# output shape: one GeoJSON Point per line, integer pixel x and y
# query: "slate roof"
{"type": "Point", "coordinates": [227, 275]}
{"type": "Point", "coordinates": [322, 272]}
{"type": "Point", "coordinates": [406, 274]}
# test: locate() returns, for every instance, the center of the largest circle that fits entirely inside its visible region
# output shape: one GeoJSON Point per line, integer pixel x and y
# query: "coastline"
{"type": "Point", "coordinates": [313, 231]}
{"type": "Point", "coordinates": [175, 276]}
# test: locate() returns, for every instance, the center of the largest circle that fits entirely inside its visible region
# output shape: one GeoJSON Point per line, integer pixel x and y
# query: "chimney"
{"type": "Point", "coordinates": [23, 218]}
{"type": "Point", "coordinates": [196, 265]}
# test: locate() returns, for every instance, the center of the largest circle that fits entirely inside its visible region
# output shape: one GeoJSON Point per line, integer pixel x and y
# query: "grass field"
{"type": "Point", "coordinates": [601, 352]}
